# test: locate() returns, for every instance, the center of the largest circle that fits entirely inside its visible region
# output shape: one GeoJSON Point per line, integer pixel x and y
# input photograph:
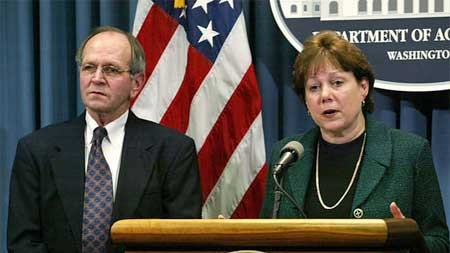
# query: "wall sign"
{"type": "Point", "coordinates": [406, 41]}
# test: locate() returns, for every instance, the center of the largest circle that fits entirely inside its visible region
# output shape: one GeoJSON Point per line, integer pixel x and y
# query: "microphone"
{"type": "Point", "coordinates": [289, 154]}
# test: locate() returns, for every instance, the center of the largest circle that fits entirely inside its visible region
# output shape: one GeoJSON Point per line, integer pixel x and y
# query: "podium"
{"type": "Point", "coordinates": [268, 235]}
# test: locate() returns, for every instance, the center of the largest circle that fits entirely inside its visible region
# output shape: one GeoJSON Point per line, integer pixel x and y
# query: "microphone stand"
{"type": "Point", "coordinates": [277, 198]}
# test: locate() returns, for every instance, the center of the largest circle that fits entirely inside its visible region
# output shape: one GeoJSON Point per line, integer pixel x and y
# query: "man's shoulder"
{"type": "Point", "coordinates": [152, 129]}
{"type": "Point", "coordinates": [55, 130]}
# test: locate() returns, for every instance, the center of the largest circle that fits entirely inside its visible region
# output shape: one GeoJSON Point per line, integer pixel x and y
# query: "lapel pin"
{"type": "Point", "coordinates": [358, 213]}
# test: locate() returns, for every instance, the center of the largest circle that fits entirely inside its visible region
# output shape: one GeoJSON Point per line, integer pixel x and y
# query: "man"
{"type": "Point", "coordinates": [71, 181]}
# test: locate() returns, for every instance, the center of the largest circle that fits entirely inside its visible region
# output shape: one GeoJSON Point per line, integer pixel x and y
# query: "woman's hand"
{"type": "Point", "coordinates": [396, 211]}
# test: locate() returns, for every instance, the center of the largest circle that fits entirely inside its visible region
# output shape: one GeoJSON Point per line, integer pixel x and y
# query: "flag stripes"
{"type": "Point", "coordinates": [207, 88]}
{"type": "Point", "coordinates": [177, 115]}
{"type": "Point", "coordinates": [228, 131]}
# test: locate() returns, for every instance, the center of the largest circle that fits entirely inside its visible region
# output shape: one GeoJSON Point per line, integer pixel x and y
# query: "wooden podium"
{"type": "Point", "coordinates": [268, 235]}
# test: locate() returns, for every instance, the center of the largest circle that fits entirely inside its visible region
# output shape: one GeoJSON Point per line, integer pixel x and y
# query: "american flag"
{"type": "Point", "coordinates": [201, 81]}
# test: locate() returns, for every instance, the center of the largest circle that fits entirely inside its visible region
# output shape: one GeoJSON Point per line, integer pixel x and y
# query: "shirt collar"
{"type": "Point", "coordinates": [115, 128]}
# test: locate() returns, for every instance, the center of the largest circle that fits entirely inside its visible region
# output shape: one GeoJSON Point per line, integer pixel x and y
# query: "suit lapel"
{"type": "Point", "coordinates": [134, 173]}
{"type": "Point", "coordinates": [377, 157]}
{"type": "Point", "coordinates": [67, 164]}
{"type": "Point", "coordinates": [299, 174]}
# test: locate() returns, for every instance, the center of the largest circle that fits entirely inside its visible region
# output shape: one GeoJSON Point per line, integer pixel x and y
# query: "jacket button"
{"type": "Point", "coordinates": [358, 213]}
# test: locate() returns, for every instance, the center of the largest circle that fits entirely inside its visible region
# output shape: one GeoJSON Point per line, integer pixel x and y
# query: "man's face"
{"type": "Point", "coordinates": [105, 82]}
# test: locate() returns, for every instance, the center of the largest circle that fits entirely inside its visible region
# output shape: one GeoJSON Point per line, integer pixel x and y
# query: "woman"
{"type": "Point", "coordinates": [354, 166]}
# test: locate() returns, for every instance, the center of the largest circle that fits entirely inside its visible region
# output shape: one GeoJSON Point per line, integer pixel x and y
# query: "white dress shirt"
{"type": "Point", "coordinates": [111, 145]}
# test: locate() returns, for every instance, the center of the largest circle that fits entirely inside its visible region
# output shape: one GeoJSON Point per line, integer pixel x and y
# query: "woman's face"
{"type": "Point", "coordinates": [334, 99]}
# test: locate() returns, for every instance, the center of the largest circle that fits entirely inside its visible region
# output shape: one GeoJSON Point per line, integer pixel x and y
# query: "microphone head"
{"type": "Point", "coordinates": [294, 147]}
{"type": "Point", "coordinates": [289, 154]}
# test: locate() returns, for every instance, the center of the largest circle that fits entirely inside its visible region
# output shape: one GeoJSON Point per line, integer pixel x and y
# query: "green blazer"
{"type": "Point", "coordinates": [397, 166]}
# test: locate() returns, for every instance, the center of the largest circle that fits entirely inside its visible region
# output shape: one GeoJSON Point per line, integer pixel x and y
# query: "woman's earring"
{"type": "Point", "coordinates": [363, 103]}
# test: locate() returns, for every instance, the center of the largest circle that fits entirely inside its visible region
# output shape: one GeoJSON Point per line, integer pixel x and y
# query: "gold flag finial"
{"type": "Point", "coordinates": [179, 3]}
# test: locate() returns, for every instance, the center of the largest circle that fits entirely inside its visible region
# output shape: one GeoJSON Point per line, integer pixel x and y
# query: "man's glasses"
{"type": "Point", "coordinates": [109, 71]}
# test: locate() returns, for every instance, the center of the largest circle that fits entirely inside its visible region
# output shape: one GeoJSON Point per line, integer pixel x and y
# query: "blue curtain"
{"type": "Point", "coordinates": [39, 85]}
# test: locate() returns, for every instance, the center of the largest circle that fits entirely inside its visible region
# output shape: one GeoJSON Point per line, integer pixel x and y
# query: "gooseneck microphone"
{"type": "Point", "coordinates": [289, 154]}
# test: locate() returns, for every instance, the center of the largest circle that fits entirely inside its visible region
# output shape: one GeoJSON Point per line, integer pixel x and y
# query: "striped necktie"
{"type": "Point", "coordinates": [98, 198]}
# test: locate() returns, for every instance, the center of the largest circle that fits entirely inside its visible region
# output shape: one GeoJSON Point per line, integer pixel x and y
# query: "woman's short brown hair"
{"type": "Point", "coordinates": [328, 47]}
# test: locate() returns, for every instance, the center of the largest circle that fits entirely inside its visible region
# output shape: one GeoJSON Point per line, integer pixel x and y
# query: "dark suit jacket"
{"type": "Point", "coordinates": [158, 178]}
{"type": "Point", "coordinates": [396, 166]}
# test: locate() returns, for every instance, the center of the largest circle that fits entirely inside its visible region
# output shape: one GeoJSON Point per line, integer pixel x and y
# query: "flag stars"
{"type": "Point", "coordinates": [182, 13]}
{"type": "Point", "coordinates": [203, 4]}
{"type": "Point", "coordinates": [207, 34]}
{"type": "Point", "coordinates": [230, 2]}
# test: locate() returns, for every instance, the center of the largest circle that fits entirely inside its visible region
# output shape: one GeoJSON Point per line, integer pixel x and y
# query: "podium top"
{"type": "Point", "coordinates": [273, 233]}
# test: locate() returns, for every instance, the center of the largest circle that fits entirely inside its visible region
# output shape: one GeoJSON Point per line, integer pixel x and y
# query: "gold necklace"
{"type": "Point", "coordinates": [355, 172]}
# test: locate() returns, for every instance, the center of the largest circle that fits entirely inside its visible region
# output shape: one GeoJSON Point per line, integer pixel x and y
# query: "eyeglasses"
{"type": "Point", "coordinates": [109, 71]}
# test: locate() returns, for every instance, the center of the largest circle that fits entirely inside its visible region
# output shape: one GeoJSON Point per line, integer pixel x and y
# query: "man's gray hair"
{"type": "Point", "coordinates": [138, 60]}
